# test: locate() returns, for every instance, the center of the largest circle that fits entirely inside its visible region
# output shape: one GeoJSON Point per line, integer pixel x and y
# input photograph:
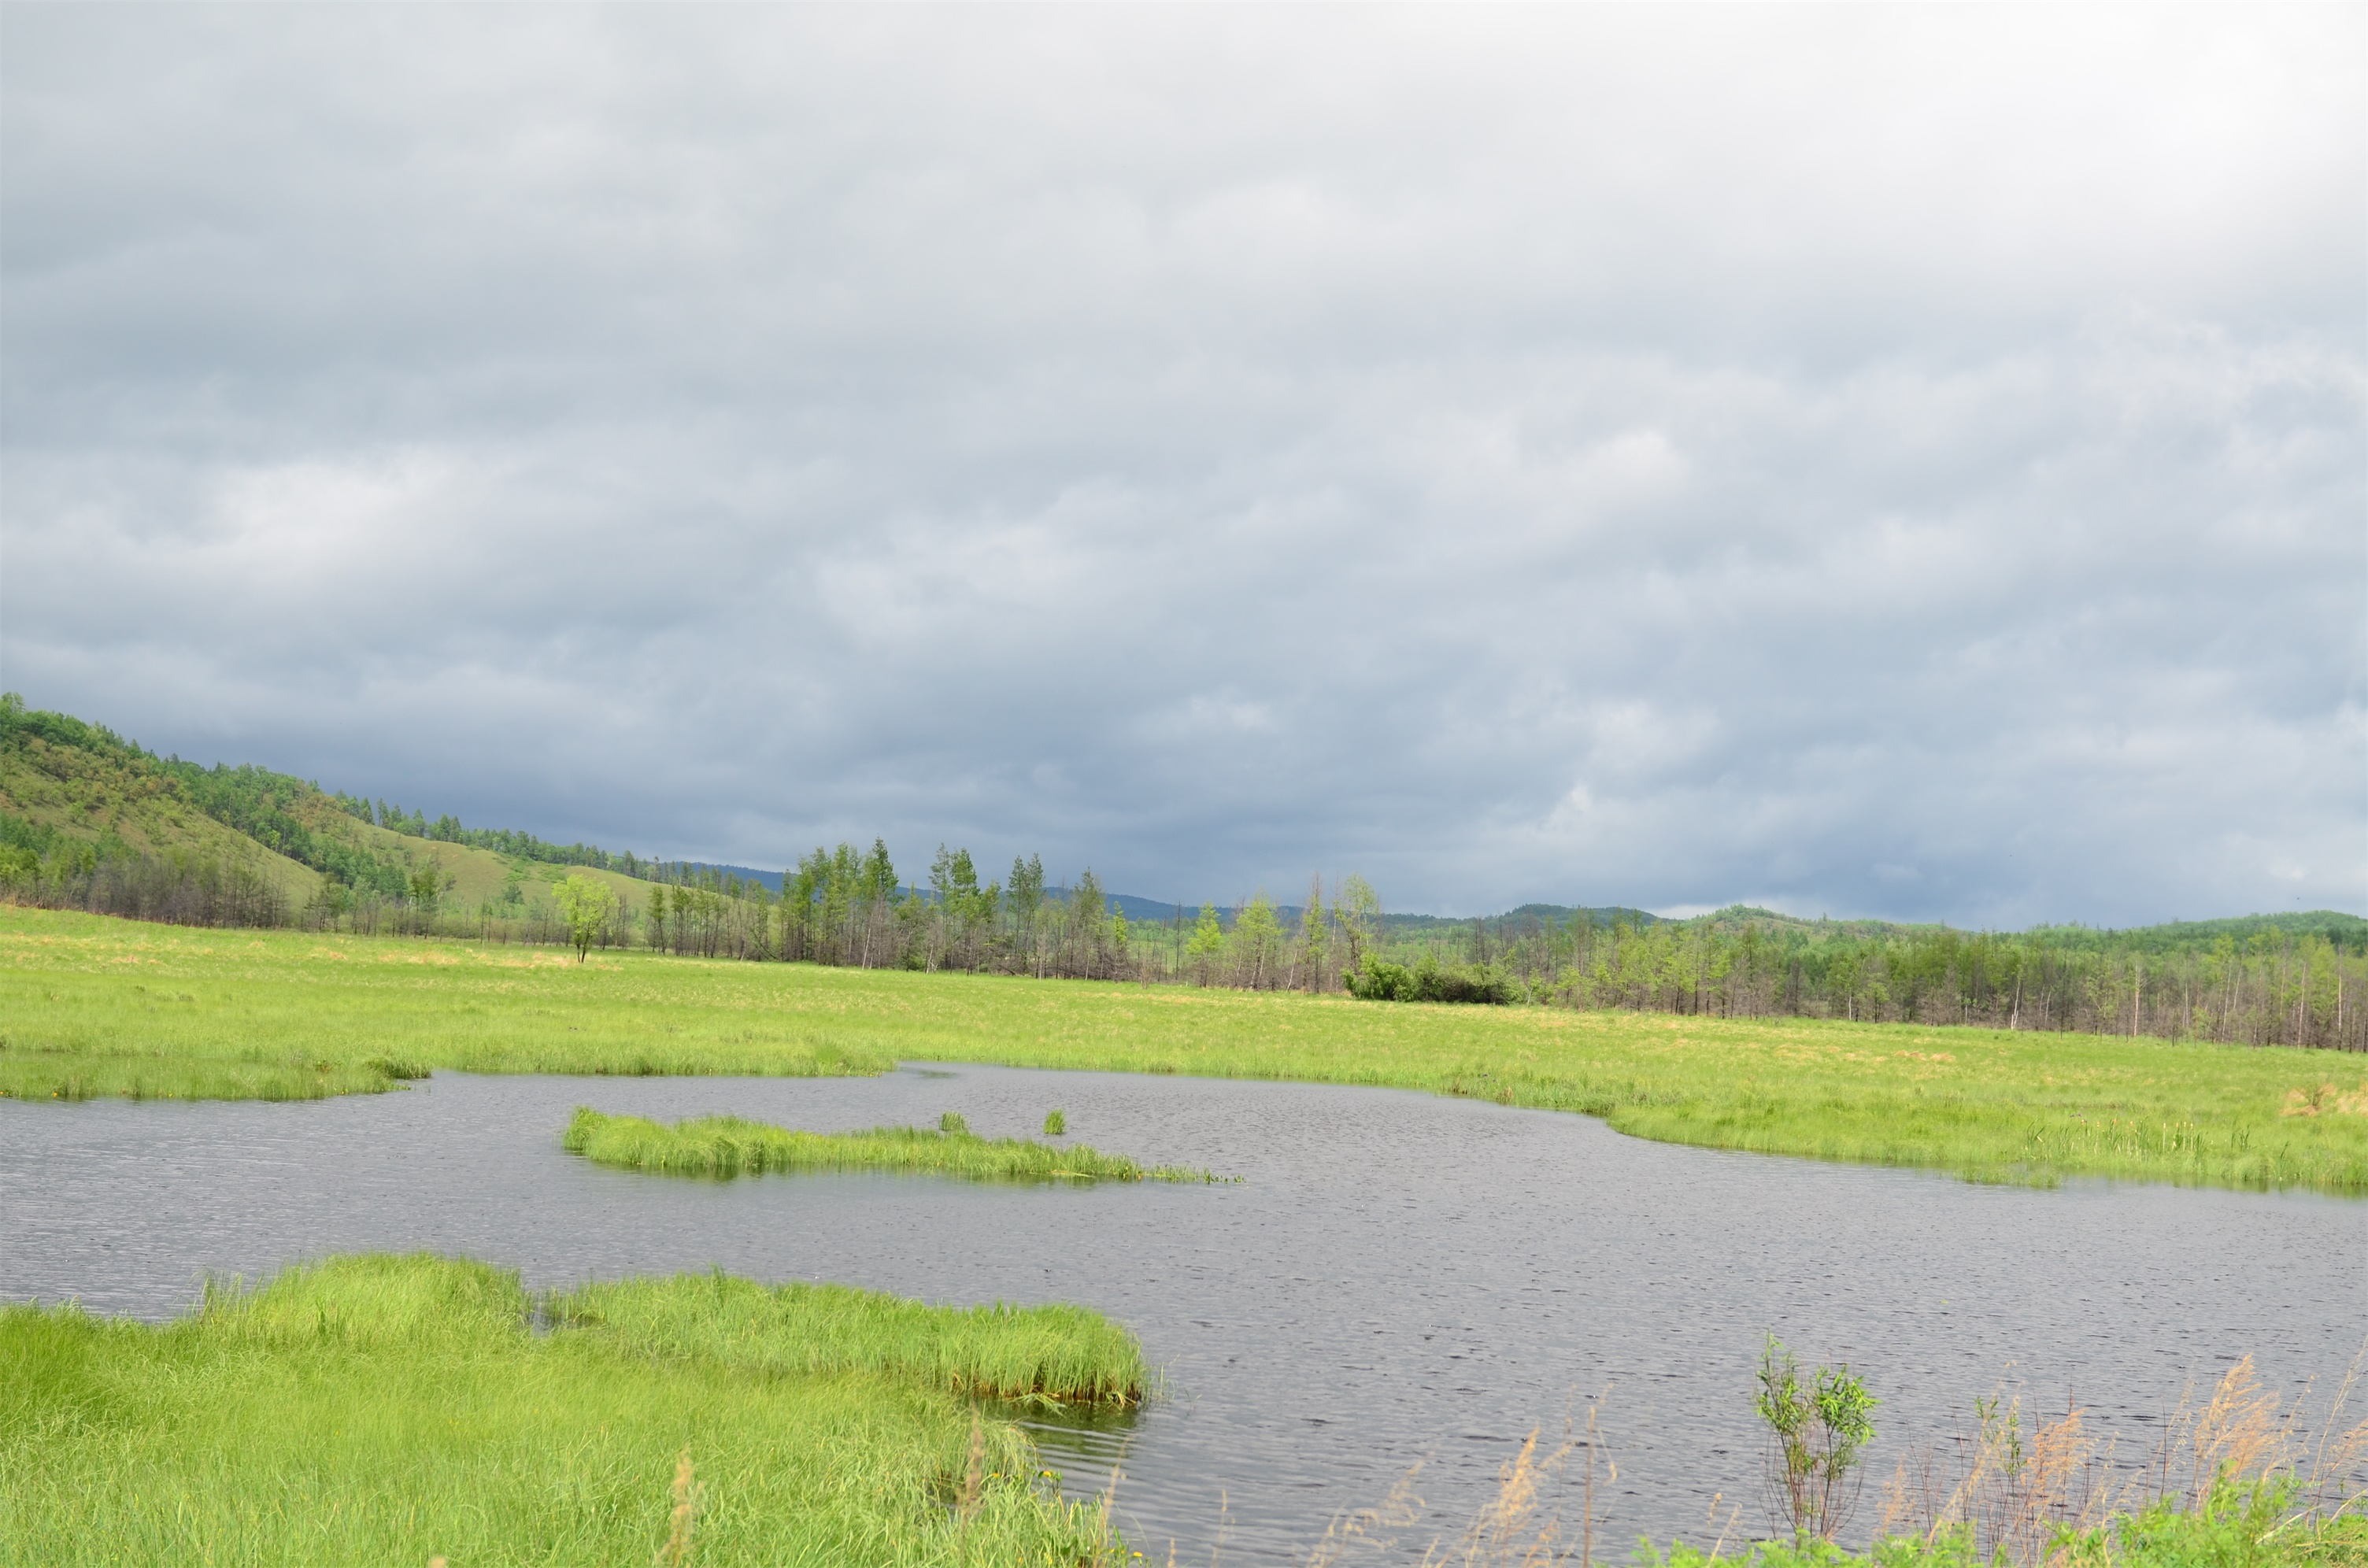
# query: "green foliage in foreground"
{"type": "Point", "coordinates": [1045, 1355]}
{"type": "Point", "coordinates": [90, 1005]}
{"type": "Point", "coordinates": [386, 1410]}
{"type": "Point", "coordinates": [728, 1146]}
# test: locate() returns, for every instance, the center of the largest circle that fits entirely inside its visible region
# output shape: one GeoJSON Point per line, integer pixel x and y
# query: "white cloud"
{"type": "Point", "coordinates": [1892, 461]}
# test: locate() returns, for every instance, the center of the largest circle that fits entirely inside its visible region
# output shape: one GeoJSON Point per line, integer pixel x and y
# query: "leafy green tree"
{"type": "Point", "coordinates": [878, 877]}
{"type": "Point", "coordinates": [1257, 941]}
{"type": "Point", "coordinates": [586, 906]}
{"type": "Point", "coordinates": [1312, 935]}
{"type": "Point", "coordinates": [425, 886]}
{"type": "Point", "coordinates": [1358, 910]}
{"type": "Point", "coordinates": [1087, 928]}
{"type": "Point", "coordinates": [1207, 942]}
{"type": "Point", "coordinates": [1026, 889]}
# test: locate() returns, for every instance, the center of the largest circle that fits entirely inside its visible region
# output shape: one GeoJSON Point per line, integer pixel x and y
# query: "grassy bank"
{"type": "Point", "coordinates": [390, 1410]}
{"type": "Point", "coordinates": [727, 1146]}
{"type": "Point", "coordinates": [98, 1007]}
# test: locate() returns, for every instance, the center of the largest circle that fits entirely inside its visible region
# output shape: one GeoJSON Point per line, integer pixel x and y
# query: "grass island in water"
{"type": "Point", "coordinates": [726, 1146]}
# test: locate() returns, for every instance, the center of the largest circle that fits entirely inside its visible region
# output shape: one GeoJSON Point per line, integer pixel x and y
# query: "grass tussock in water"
{"type": "Point", "coordinates": [394, 1410]}
{"type": "Point", "coordinates": [90, 1005]}
{"type": "Point", "coordinates": [726, 1146]}
{"type": "Point", "coordinates": [1055, 1355]}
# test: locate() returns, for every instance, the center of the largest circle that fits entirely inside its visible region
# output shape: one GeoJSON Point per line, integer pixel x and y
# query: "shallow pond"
{"type": "Point", "coordinates": [1399, 1279]}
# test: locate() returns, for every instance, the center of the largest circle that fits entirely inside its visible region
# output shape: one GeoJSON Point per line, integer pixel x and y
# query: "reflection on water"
{"type": "Point", "coordinates": [1086, 1446]}
{"type": "Point", "coordinates": [1399, 1279]}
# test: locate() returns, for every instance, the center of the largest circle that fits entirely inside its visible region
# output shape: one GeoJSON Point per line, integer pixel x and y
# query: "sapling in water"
{"type": "Point", "coordinates": [1819, 1430]}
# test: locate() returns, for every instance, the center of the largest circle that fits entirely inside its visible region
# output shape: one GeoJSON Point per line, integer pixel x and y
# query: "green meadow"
{"type": "Point", "coordinates": [93, 1006]}
{"type": "Point", "coordinates": [395, 1410]}
{"type": "Point", "coordinates": [726, 1146]}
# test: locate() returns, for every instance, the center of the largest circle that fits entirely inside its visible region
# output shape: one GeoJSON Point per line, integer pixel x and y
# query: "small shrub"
{"type": "Point", "coordinates": [1378, 979]}
{"type": "Point", "coordinates": [1819, 1430]}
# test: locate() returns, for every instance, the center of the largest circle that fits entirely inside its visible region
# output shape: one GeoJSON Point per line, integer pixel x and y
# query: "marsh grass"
{"type": "Point", "coordinates": [396, 1409]}
{"type": "Point", "coordinates": [727, 1146]}
{"type": "Point", "coordinates": [1045, 1355]}
{"type": "Point", "coordinates": [91, 1007]}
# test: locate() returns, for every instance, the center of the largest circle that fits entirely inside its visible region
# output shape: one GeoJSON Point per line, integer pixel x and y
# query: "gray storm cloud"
{"type": "Point", "coordinates": [1904, 462]}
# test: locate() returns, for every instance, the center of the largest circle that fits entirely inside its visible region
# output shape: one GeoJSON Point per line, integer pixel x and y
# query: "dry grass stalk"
{"type": "Point", "coordinates": [1351, 1534]}
{"type": "Point", "coordinates": [1506, 1529]}
{"type": "Point", "coordinates": [975, 1473]}
{"type": "Point", "coordinates": [2246, 1434]}
{"type": "Point", "coordinates": [1510, 1531]}
{"type": "Point", "coordinates": [687, 1494]}
{"type": "Point", "coordinates": [2021, 1496]}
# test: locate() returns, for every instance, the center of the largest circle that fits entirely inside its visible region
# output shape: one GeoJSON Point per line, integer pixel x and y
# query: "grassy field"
{"type": "Point", "coordinates": [390, 1410]}
{"type": "Point", "coordinates": [90, 1005]}
{"type": "Point", "coordinates": [726, 1146]}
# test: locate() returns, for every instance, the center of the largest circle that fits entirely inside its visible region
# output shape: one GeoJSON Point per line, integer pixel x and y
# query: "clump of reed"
{"type": "Point", "coordinates": [1056, 1123]}
{"type": "Point", "coordinates": [727, 1146]}
{"type": "Point", "coordinates": [1052, 1354]}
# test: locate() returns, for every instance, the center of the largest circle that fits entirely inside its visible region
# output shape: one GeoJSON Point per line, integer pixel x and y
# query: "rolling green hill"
{"type": "Point", "coordinates": [80, 805]}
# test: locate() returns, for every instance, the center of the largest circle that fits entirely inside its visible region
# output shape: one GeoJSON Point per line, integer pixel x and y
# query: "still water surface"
{"type": "Point", "coordinates": [1399, 1279]}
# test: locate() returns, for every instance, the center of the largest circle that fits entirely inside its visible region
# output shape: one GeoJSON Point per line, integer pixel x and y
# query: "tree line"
{"type": "Point", "coordinates": [2268, 980]}
{"type": "Point", "coordinates": [2264, 980]}
{"type": "Point", "coordinates": [2261, 982]}
{"type": "Point", "coordinates": [446, 829]}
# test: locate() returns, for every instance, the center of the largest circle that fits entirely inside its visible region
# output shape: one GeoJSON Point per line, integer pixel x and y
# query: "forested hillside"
{"type": "Point", "coordinates": [90, 821]}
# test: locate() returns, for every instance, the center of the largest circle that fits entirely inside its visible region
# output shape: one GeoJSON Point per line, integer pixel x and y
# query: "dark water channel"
{"type": "Point", "coordinates": [1399, 1279]}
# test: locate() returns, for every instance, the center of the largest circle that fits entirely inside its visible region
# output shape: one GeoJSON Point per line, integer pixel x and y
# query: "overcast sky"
{"type": "Point", "coordinates": [1878, 461]}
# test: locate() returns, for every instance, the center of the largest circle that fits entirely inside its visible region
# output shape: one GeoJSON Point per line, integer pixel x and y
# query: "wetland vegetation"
{"type": "Point", "coordinates": [91, 1005]}
{"type": "Point", "coordinates": [378, 1409]}
{"type": "Point", "coordinates": [1045, 1355]}
{"type": "Point", "coordinates": [726, 1146]}
{"type": "Point", "coordinates": [399, 1409]}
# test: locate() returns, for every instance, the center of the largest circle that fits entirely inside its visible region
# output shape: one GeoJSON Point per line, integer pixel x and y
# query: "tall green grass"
{"type": "Point", "coordinates": [90, 1005]}
{"type": "Point", "coordinates": [387, 1410]}
{"type": "Point", "coordinates": [1056, 1354]}
{"type": "Point", "coordinates": [727, 1146]}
